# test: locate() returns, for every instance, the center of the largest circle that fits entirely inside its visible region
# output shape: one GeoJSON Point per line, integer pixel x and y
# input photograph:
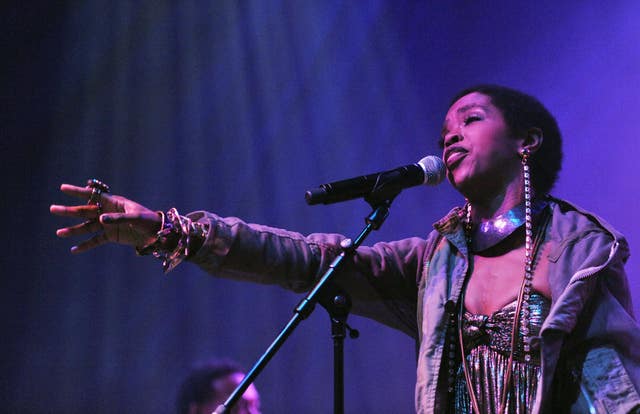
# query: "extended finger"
{"type": "Point", "coordinates": [83, 192]}
{"type": "Point", "coordinates": [86, 211]}
{"type": "Point", "coordinates": [92, 243]}
{"type": "Point", "coordinates": [90, 226]}
{"type": "Point", "coordinates": [75, 191]}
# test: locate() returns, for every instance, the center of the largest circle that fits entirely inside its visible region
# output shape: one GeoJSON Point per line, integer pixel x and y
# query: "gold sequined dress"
{"type": "Point", "coordinates": [487, 341]}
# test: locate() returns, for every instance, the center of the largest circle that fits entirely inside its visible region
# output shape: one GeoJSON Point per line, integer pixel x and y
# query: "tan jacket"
{"type": "Point", "coordinates": [590, 342]}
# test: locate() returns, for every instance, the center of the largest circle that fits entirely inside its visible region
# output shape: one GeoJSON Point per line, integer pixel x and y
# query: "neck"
{"type": "Point", "coordinates": [486, 207]}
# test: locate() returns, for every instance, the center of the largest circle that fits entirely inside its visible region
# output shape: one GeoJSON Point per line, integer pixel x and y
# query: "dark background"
{"type": "Point", "coordinates": [238, 107]}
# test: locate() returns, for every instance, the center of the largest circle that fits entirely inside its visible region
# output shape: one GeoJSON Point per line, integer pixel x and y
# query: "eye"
{"type": "Point", "coordinates": [471, 118]}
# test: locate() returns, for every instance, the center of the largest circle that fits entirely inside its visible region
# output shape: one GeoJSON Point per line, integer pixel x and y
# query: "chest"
{"type": "Point", "coordinates": [495, 281]}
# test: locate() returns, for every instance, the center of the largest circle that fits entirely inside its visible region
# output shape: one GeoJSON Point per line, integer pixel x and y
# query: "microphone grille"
{"type": "Point", "coordinates": [434, 169]}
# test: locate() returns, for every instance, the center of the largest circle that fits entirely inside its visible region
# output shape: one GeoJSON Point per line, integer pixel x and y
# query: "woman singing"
{"type": "Point", "coordinates": [518, 301]}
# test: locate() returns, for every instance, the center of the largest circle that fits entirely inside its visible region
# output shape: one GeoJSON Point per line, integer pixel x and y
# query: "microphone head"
{"type": "Point", "coordinates": [434, 169]}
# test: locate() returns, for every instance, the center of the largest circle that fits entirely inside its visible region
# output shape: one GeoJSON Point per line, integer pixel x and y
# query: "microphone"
{"type": "Point", "coordinates": [430, 171]}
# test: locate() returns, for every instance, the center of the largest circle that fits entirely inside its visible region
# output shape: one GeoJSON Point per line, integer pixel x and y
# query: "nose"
{"type": "Point", "coordinates": [451, 138]}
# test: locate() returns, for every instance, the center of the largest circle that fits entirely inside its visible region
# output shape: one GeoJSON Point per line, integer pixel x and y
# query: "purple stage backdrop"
{"type": "Point", "coordinates": [238, 107]}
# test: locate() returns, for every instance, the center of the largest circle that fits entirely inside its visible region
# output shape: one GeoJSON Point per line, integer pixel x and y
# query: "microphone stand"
{"type": "Point", "coordinates": [338, 304]}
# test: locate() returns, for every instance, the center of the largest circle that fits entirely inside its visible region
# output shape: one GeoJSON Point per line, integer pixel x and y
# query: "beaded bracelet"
{"type": "Point", "coordinates": [178, 239]}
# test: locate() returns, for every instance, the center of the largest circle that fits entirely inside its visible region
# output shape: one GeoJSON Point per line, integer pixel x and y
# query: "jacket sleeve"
{"type": "Point", "coordinates": [609, 360]}
{"type": "Point", "coordinates": [599, 363]}
{"type": "Point", "coordinates": [381, 279]}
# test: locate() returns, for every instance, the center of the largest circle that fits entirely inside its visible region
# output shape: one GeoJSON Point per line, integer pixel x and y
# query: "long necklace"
{"type": "Point", "coordinates": [521, 316]}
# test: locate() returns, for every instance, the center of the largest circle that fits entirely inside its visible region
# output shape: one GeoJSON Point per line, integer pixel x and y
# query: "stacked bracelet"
{"type": "Point", "coordinates": [178, 238]}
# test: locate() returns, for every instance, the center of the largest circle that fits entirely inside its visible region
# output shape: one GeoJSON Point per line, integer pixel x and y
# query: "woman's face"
{"type": "Point", "coordinates": [479, 151]}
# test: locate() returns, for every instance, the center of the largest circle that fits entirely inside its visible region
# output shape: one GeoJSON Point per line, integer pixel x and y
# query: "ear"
{"type": "Point", "coordinates": [532, 140]}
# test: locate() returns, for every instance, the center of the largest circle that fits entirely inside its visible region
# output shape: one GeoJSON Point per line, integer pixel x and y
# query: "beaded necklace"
{"type": "Point", "coordinates": [490, 233]}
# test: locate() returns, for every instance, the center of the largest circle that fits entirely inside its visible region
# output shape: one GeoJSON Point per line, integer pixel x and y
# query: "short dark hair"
{"type": "Point", "coordinates": [522, 112]}
{"type": "Point", "coordinates": [198, 386]}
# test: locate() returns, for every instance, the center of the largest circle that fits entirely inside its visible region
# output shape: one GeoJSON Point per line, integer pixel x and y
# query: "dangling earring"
{"type": "Point", "coordinates": [528, 246]}
{"type": "Point", "coordinates": [522, 307]}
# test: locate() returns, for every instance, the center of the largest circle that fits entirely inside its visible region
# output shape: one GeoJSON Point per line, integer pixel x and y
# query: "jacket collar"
{"type": "Point", "coordinates": [451, 227]}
